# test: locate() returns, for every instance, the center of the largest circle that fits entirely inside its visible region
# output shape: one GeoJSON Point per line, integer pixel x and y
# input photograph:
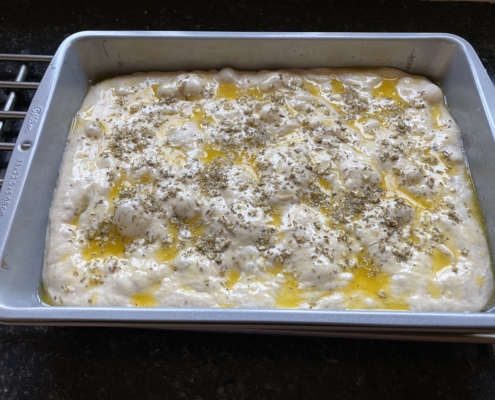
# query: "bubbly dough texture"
{"type": "Point", "coordinates": [322, 188]}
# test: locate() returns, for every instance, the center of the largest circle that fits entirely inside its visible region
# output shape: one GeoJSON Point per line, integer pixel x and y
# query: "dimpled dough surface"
{"type": "Point", "coordinates": [322, 189]}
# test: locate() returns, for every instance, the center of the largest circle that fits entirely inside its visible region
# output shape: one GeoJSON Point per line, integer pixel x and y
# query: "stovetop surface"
{"type": "Point", "coordinates": [82, 363]}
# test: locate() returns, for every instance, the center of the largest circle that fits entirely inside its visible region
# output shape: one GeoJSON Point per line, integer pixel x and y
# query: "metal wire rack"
{"type": "Point", "coordinates": [19, 78]}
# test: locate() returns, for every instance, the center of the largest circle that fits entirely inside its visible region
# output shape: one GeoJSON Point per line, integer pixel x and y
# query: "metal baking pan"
{"type": "Point", "coordinates": [31, 177]}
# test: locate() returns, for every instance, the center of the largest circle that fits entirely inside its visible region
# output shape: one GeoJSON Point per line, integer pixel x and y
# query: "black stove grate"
{"type": "Point", "coordinates": [20, 75]}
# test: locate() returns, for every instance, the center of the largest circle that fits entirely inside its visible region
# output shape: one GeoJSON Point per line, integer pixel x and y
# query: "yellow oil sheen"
{"type": "Point", "coordinates": [276, 269]}
{"type": "Point", "coordinates": [367, 284]}
{"type": "Point", "coordinates": [228, 91]}
{"type": "Point", "coordinates": [313, 89]}
{"type": "Point", "coordinates": [439, 260]}
{"type": "Point", "coordinates": [391, 184]}
{"type": "Point", "coordinates": [44, 296]}
{"type": "Point", "coordinates": [434, 290]}
{"type": "Point", "coordinates": [211, 152]}
{"type": "Point", "coordinates": [168, 251]}
{"type": "Point", "coordinates": [233, 276]}
{"type": "Point", "coordinates": [436, 114]}
{"type": "Point", "coordinates": [325, 185]}
{"type": "Point", "coordinates": [143, 300]}
{"type": "Point", "coordinates": [93, 300]}
{"type": "Point", "coordinates": [388, 89]}
{"type": "Point", "coordinates": [337, 86]}
{"type": "Point", "coordinates": [198, 115]}
{"type": "Point", "coordinates": [114, 246]}
{"type": "Point", "coordinates": [277, 216]}
{"type": "Point", "coordinates": [289, 295]}
{"type": "Point", "coordinates": [223, 304]}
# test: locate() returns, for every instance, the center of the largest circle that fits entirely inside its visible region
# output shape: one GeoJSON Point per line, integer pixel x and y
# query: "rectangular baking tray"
{"type": "Point", "coordinates": [31, 177]}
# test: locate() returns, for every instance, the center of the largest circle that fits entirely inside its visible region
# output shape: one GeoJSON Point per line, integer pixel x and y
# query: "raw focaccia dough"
{"type": "Point", "coordinates": [325, 189]}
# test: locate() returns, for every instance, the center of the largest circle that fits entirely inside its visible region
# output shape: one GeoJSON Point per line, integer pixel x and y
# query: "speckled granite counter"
{"type": "Point", "coordinates": [83, 363]}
